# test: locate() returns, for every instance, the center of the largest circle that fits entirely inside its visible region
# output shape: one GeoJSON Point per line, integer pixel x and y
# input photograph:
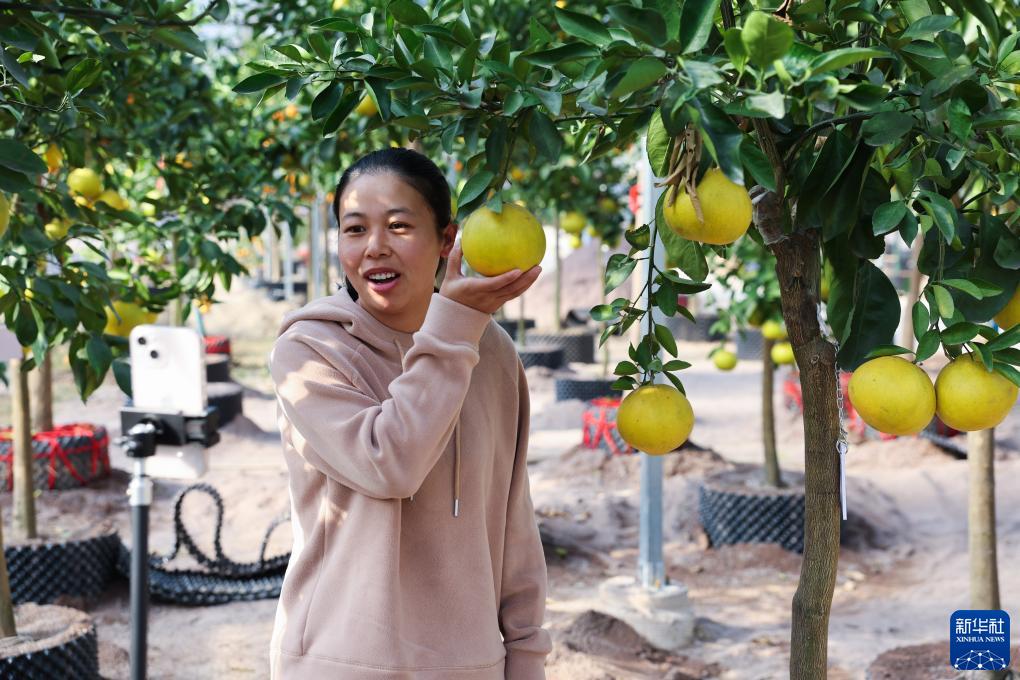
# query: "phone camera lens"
{"type": "Point", "coordinates": [142, 340]}
{"type": "Point", "coordinates": [154, 354]}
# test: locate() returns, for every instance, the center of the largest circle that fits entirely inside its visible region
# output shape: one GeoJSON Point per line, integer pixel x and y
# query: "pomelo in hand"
{"type": "Point", "coordinates": [494, 243]}
{"type": "Point", "coordinates": [782, 353]}
{"type": "Point", "coordinates": [1010, 314]}
{"type": "Point", "coordinates": [969, 397]}
{"type": "Point", "coordinates": [893, 395]}
{"type": "Point", "coordinates": [724, 360]}
{"type": "Point", "coordinates": [725, 207]}
{"type": "Point", "coordinates": [85, 182]}
{"type": "Point", "coordinates": [655, 419]}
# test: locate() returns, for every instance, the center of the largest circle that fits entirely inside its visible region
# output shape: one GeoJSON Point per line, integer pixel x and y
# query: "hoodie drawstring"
{"type": "Point", "coordinates": [456, 454]}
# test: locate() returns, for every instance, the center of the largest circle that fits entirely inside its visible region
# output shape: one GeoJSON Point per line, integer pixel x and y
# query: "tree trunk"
{"type": "Point", "coordinates": [24, 493]}
{"type": "Point", "coordinates": [984, 568]}
{"type": "Point", "coordinates": [603, 298]}
{"type": "Point", "coordinates": [557, 300]}
{"type": "Point", "coordinates": [7, 627]}
{"type": "Point", "coordinates": [773, 477]}
{"type": "Point", "coordinates": [41, 389]}
{"type": "Point", "coordinates": [798, 267]}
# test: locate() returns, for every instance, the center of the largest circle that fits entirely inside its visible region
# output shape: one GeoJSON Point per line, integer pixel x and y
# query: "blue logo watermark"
{"type": "Point", "coordinates": [979, 639]}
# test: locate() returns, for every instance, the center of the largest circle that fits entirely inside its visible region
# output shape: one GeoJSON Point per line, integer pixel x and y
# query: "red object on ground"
{"type": "Point", "coordinates": [78, 451]}
{"type": "Point", "coordinates": [217, 344]}
{"type": "Point", "coordinates": [599, 426]}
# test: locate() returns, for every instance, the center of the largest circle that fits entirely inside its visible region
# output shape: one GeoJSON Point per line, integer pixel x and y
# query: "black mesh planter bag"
{"type": "Point", "coordinates": [510, 326]}
{"type": "Point", "coordinates": [734, 513]}
{"type": "Point", "coordinates": [70, 654]}
{"type": "Point", "coordinates": [43, 572]}
{"type": "Point", "coordinates": [66, 457]}
{"type": "Point", "coordinates": [227, 397]}
{"type": "Point", "coordinates": [217, 368]}
{"type": "Point", "coordinates": [585, 389]}
{"type": "Point", "coordinates": [577, 346]}
{"type": "Point", "coordinates": [550, 356]}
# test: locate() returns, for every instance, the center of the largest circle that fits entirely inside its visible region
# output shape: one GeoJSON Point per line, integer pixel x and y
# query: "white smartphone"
{"type": "Point", "coordinates": [168, 370]}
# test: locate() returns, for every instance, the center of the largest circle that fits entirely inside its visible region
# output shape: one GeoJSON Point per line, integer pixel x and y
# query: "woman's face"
{"type": "Point", "coordinates": [389, 248]}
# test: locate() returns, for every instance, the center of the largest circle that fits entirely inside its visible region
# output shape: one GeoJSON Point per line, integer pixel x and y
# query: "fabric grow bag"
{"type": "Point", "coordinates": [731, 514]}
{"type": "Point", "coordinates": [73, 654]}
{"type": "Point", "coordinates": [577, 346]}
{"type": "Point", "coordinates": [42, 572]}
{"type": "Point", "coordinates": [541, 355]}
{"type": "Point", "coordinates": [585, 389]}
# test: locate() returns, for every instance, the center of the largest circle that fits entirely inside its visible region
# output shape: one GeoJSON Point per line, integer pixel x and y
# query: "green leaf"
{"type": "Point", "coordinates": [643, 24]}
{"type": "Point", "coordinates": [722, 138]}
{"type": "Point", "coordinates": [959, 333]}
{"type": "Point", "coordinates": [84, 74]}
{"type": "Point", "coordinates": [676, 365]}
{"type": "Point", "coordinates": [942, 211]}
{"type": "Point", "coordinates": [676, 382]}
{"type": "Point", "coordinates": [618, 269]}
{"type": "Point", "coordinates": [1009, 354]}
{"type": "Point", "coordinates": [874, 317]}
{"type": "Point", "coordinates": [887, 351]}
{"type": "Point", "coordinates": [944, 302]}
{"type": "Point", "coordinates": [665, 338]}
{"type": "Point", "coordinates": [18, 157]}
{"type": "Point", "coordinates": [928, 26]}
{"type": "Point", "coordinates": [887, 127]}
{"type": "Point", "coordinates": [626, 368]}
{"type": "Point", "coordinates": [757, 163]}
{"type": "Point", "coordinates": [408, 13]}
{"type": "Point", "coordinates": [558, 55]}
{"type": "Point", "coordinates": [928, 345]}
{"type": "Point", "coordinates": [666, 298]}
{"type": "Point", "coordinates": [1005, 340]}
{"type": "Point", "coordinates": [603, 313]}
{"type": "Point", "coordinates": [1008, 372]}
{"type": "Point", "coordinates": [327, 100]}
{"type": "Point", "coordinates": [657, 143]}
{"type": "Point", "coordinates": [696, 20]}
{"type": "Point", "coordinates": [99, 354]}
{"type": "Point", "coordinates": [643, 73]}
{"type": "Point", "coordinates": [735, 49]}
{"type": "Point", "coordinates": [996, 119]}
{"type": "Point", "coordinates": [688, 256]}
{"type": "Point", "coordinates": [259, 82]}
{"type": "Point", "coordinates": [966, 286]}
{"type": "Point", "coordinates": [765, 38]}
{"type": "Point", "coordinates": [184, 40]}
{"type": "Point", "coordinates": [638, 238]}
{"type": "Point", "coordinates": [837, 59]}
{"type": "Point", "coordinates": [475, 186]}
{"type": "Point", "coordinates": [921, 318]}
{"type": "Point", "coordinates": [887, 216]}
{"type": "Point", "coordinates": [583, 26]}
{"type": "Point", "coordinates": [545, 136]}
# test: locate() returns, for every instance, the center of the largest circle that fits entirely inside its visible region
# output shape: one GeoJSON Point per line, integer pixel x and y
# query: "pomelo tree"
{"type": "Point", "coordinates": [857, 122]}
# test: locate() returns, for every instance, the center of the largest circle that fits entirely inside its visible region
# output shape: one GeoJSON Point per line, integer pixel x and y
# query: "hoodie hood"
{"type": "Point", "coordinates": [388, 343]}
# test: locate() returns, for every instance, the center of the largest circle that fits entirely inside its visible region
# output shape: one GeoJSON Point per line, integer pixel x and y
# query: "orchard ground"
{"type": "Point", "coordinates": [903, 572]}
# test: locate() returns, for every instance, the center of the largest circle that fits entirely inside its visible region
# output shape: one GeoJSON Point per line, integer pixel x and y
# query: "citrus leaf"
{"type": "Point", "coordinates": [676, 382]}
{"type": "Point", "coordinates": [1008, 372]}
{"type": "Point", "coordinates": [643, 24]}
{"type": "Point", "coordinates": [887, 216]}
{"type": "Point", "coordinates": [657, 144]}
{"type": "Point", "coordinates": [966, 286]}
{"type": "Point", "coordinates": [408, 13]}
{"type": "Point", "coordinates": [259, 82]}
{"type": "Point", "coordinates": [475, 186]}
{"type": "Point", "coordinates": [603, 313]}
{"type": "Point", "coordinates": [765, 38]}
{"type": "Point", "coordinates": [665, 338]}
{"type": "Point", "coordinates": [626, 368]}
{"type": "Point", "coordinates": [696, 24]}
{"type": "Point", "coordinates": [643, 73]}
{"type": "Point", "coordinates": [18, 157]}
{"type": "Point", "coordinates": [886, 351]}
{"type": "Point", "coordinates": [583, 26]}
{"type": "Point", "coordinates": [944, 302]}
{"type": "Point", "coordinates": [959, 333]}
{"type": "Point", "coordinates": [837, 59]}
{"type": "Point", "coordinates": [618, 269]}
{"type": "Point", "coordinates": [927, 345]}
{"type": "Point", "coordinates": [1005, 340]}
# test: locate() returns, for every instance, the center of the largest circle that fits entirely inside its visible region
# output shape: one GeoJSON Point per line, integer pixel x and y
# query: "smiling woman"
{"type": "Point", "coordinates": [404, 416]}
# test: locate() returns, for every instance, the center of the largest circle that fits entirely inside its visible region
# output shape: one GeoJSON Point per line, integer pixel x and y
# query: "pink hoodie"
{"type": "Point", "coordinates": [416, 551]}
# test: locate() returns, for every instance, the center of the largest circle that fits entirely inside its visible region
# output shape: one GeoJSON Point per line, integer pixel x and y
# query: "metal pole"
{"type": "Point", "coordinates": [140, 493]}
{"type": "Point", "coordinates": [651, 568]}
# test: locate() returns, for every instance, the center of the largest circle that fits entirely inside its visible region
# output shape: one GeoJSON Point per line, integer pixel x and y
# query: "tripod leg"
{"type": "Point", "coordinates": [140, 493]}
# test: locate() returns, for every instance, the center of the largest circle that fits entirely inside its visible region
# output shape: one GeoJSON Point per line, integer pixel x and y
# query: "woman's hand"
{"type": "Point", "coordinates": [486, 294]}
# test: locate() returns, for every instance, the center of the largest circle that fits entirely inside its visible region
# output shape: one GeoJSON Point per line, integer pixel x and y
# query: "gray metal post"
{"type": "Point", "coordinates": [651, 568]}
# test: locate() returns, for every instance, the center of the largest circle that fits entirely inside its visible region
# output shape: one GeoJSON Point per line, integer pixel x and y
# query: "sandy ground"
{"type": "Point", "coordinates": [897, 584]}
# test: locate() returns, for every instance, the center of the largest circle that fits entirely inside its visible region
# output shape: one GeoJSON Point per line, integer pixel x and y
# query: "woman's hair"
{"type": "Point", "coordinates": [413, 168]}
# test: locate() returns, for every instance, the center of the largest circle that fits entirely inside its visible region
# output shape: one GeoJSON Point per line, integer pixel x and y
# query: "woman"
{"type": "Point", "coordinates": [404, 417]}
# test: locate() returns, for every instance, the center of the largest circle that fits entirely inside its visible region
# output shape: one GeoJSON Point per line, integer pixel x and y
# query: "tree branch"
{"type": "Point", "coordinates": [102, 14]}
{"type": "Point", "coordinates": [829, 122]}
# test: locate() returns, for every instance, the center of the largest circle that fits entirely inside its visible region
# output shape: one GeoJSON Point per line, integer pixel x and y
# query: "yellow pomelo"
{"type": "Point", "coordinates": [494, 243]}
{"type": "Point", "coordinates": [575, 241]}
{"type": "Point", "coordinates": [607, 205]}
{"type": "Point", "coordinates": [86, 182]}
{"type": "Point", "coordinates": [56, 229]}
{"type": "Point", "coordinates": [773, 330]}
{"type": "Point", "coordinates": [782, 353]}
{"type": "Point", "coordinates": [366, 107]}
{"type": "Point", "coordinates": [131, 315]}
{"type": "Point", "coordinates": [724, 360]}
{"type": "Point", "coordinates": [893, 395]}
{"type": "Point", "coordinates": [968, 397]}
{"type": "Point", "coordinates": [1010, 314]}
{"type": "Point", "coordinates": [573, 222]}
{"type": "Point", "coordinates": [5, 214]}
{"type": "Point", "coordinates": [340, 4]}
{"type": "Point", "coordinates": [725, 206]}
{"type": "Point", "coordinates": [54, 157]}
{"type": "Point", "coordinates": [113, 199]}
{"type": "Point", "coordinates": [655, 419]}
{"type": "Point", "coordinates": [516, 174]}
